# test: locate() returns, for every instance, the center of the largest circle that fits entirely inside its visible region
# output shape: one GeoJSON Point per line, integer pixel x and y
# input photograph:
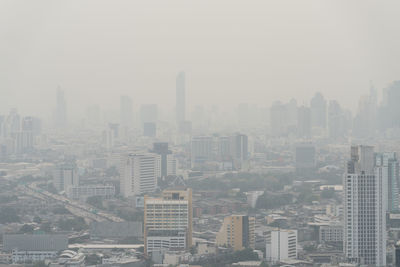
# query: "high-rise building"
{"type": "Point", "coordinates": [389, 112]}
{"type": "Point", "coordinates": [336, 124]}
{"type": "Point", "coordinates": [149, 113]}
{"type": "Point", "coordinates": [168, 221]}
{"type": "Point", "coordinates": [304, 122]}
{"type": "Point", "coordinates": [65, 176]}
{"type": "Point", "coordinates": [201, 150]}
{"type": "Point", "coordinates": [364, 209]}
{"type": "Point", "coordinates": [318, 111]}
{"type": "Point", "coordinates": [237, 232]}
{"type": "Point", "coordinates": [305, 158]}
{"type": "Point", "coordinates": [180, 99]}
{"type": "Point", "coordinates": [388, 169]}
{"type": "Point", "coordinates": [126, 111]}
{"type": "Point", "coordinates": [281, 245]}
{"type": "Point", "coordinates": [161, 148]}
{"type": "Point", "coordinates": [60, 119]}
{"type": "Point", "coordinates": [150, 129]}
{"type": "Point", "coordinates": [139, 174]}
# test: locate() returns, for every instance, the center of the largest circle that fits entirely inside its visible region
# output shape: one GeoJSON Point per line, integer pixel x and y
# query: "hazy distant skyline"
{"type": "Point", "coordinates": [231, 51]}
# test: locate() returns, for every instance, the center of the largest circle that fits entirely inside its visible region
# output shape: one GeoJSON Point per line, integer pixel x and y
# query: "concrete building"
{"type": "Point", "coordinates": [31, 248]}
{"type": "Point", "coordinates": [305, 158]}
{"type": "Point", "coordinates": [65, 176]}
{"type": "Point", "coordinates": [139, 174]}
{"type": "Point", "coordinates": [82, 192]}
{"type": "Point", "coordinates": [201, 150]}
{"type": "Point", "coordinates": [281, 245]}
{"type": "Point", "coordinates": [237, 231]}
{"type": "Point", "coordinates": [364, 209]}
{"type": "Point", "coordinates": [387, 168]}
{"type": "Point", "coordinates": [168, 221]}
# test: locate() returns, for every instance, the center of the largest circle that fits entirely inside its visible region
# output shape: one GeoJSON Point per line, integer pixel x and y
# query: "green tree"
{"type": "Point", "coordinates": [95, 201]}
{"type": "Point", "coordinates": [26, 229]}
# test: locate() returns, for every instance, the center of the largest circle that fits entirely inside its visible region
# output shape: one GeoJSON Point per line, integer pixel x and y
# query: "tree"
{"type": "Point", "coordinates": [95, 201]}
{"type": "Point", "coordinates": [37, 219]}
{"type": "Point", "coordinates": [26, 229]}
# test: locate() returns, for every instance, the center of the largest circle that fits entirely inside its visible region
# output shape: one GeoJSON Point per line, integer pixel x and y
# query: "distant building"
{"type": "Point", "coordinates": [318, 111]}
{"type": "Point", "coordinates": [305, 158]}
{"type": "Point", "coordinates": [237, 231]}
{"type": "Point", "coordinates": [116, 229]}
{"type": "Point", "coordinates": [139, 174]}
{"type": "Point", "coordinates": [388, 170]}
{"type": "Point", "coordinates": [65, 176]}
{"type": "Point", "coordinates": [82, 192]}
{"type": "Point", "coordinates": [168, 221]}
{"type": "Point", "coordinates": [30, 248]}
{"type": "Point", "coordinates": [201, 150]}
{"type": "Point", "coordinates": [281, 245]}
{"type": "Point", "coordinates": [304, 122]}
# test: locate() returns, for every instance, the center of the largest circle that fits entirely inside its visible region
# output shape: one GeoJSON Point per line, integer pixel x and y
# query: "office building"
{"type": "Point", "coordinates": [201, 150]}
{"type": "Point", "coordinates": [305, 158]}
{"type": "Point", "coordinates": [139, 174]}
{"type": "Point", "coordinates": [318, 111]}
{"type": "Point", "coordinates": [168, 221]}
{"type": "Point", "coordinates": [27, 248]}
{"type": "Point", "coordinates": [281, 245]}
{"type": "Point", "coordinates": [237, 232]}
{"type": "Point", "coordinates": [304, 122]}
{"type": "Point", "coordinates": [83, 192]}
{"type": "Point", "coordinates": [65, 176]}
{"type": "Point", "coordinates": [387, 169]}
{"type": "Point", "coordinates": [364, 209]}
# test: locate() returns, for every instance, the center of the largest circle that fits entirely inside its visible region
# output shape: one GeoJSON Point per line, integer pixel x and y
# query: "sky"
{"type": "Point", "coordinates": [233, 52]}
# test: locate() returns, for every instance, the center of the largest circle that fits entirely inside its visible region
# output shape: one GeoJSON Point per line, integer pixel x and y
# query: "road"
{"type": "Point", "coordinates": [79, 209]}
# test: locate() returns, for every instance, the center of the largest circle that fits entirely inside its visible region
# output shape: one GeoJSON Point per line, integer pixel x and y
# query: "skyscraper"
{"type": "Point", "coordinates": [139, 174]}
{"type": "Point", "coordinates": [364, 207]}
{"type": "Point", "coordinates": [318, 111]}
{"type": "Point", "coordinates": [180, 99]}
{"type": "Point", "coordinates": [387, 167]}
{"type": "Point", "coordinates": [65, 176]}
{"type": "Point", "coordinates": [126, 111]}
{"type": "Point", "coordinates": [304, 122]}
{"type": "Point", "coordinates": [201, 150]}
{"type": "Point", "coordinates": [168, 221]}
{"type": "Point", "coordinates": [61, 110]}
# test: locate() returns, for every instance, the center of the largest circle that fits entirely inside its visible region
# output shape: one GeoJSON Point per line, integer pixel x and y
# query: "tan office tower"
{"type": "Point", "coordinates": [168, 221]}
{"type": "Point", "coordinates": [237, 231]}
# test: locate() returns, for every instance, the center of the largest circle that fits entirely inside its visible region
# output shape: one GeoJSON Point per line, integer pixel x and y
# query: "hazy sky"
{"type": "Point", "coordinates": [232, 51]}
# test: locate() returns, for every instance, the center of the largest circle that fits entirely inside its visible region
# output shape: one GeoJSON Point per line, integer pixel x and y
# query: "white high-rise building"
{"type": "Point", "coordinates": [139, 174]}
{"type": "Point", "coordinates": [281, 245]}
{"type": "Point", "coordinates": [365, 209]}
{"type": "Point", "coordinates": [65, 176]}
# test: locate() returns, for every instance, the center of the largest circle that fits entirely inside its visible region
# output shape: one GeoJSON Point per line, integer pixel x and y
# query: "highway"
{"type": "Point", "coordinates": [79, 209]}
